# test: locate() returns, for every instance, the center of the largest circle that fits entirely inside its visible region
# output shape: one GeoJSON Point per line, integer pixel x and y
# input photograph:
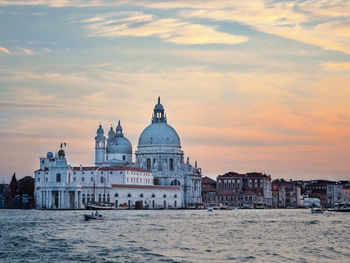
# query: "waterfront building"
{"type": "Point", "coordinates": [334, 193]}
{"type": "Point", "coordinates": [286, 194]}
{"type": "Point", "coordinates": [159, 178]}
{"type": "Point", "coordinates": [209, 191]}
{"type": "Point", "coordinates": [244, 190]}
{"type": "Point", "coordinates": [61, 186]}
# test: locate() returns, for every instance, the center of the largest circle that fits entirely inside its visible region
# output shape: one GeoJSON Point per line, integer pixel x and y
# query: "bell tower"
{"type": "Point", "coordinates": [100, 146]}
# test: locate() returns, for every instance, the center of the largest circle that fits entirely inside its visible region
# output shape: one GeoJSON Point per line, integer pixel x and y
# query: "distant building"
{"type": "Point", "coordinates": [244, 190]}
{"type": "Point", "coordinates": [334, 194]}
{"type": "Point", "coordinates": [286, 194]}
{"type": "Point", "coordinates": [318, 189]}
{"type": "Point", "coordinates": [4, 195]}
{"type": "Point", "coordinates": [209, 191]}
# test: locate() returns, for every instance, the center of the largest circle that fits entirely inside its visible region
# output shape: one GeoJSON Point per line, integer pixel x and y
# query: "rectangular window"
{"type": "Point", "coordinates": [46, 179]}
{"type": "Point", "coordinates": [58, 178]}
{"type": "Point", "coordinates": [91, 179]}
{"type": "Point", "coordinates": [38, 179]}
{"type": "Point", "coordinates": [83, 179]}
{"type": "Point", "coordinates": [74, 179]}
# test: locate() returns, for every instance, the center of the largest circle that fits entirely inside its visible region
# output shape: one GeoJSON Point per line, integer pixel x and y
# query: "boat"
{"type": "Point", "coordinates": [342, 208]}
{"type": "Point", "coordinates": [316, 211]}
{"type": "Point", "coordinates": [209, 209]}
{"type": "Point", "coordinates": [225, 208]}
{"type": "Point", "coordinates": [99, 206]}
{"type": "Point", "coordinates": [93, 217]}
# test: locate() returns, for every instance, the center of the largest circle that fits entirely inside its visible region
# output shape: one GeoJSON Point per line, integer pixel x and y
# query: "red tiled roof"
{"type": "Point", "coordinates": [133, 186]}
{"type": "Point", "coordinates": [109, 168]}
{"type": "Point", "coordinates": [208, 180]}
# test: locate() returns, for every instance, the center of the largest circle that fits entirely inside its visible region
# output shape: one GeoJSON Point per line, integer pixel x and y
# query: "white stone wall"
{"type": "Point", "coordinates": [110, 157]}
{"type": "Point", "coordinates": [154, 198]}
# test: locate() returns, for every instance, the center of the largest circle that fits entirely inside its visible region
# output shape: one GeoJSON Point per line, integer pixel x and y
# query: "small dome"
{"type": "Point", "coordinates": [49, 155]}
{"type": "Point", "coordinates": [61, 154]}
{"type": "Point", "coordinates": [119, 145]}
{"type": "Point", "coordinates": [111, 132]}
{"type": "Point", "coordinates": [159, 107]}
{"type": "Point", "coordinates": [100, 131]}
{"type": "Point", "coordinates": [159, 133]}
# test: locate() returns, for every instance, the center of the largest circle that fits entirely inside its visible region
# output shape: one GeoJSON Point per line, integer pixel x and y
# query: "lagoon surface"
{"type": "Point", "coordinates": [175, 236]}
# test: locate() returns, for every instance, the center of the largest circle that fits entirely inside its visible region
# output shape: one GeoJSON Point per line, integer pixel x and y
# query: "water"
{"type": "Point", "coordinates": [175, 236]}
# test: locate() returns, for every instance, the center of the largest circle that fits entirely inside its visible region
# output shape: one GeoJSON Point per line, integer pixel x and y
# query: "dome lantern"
{"type": "Point", "coordinates": [158, 113]}
{"type": "Point", "coordinates": [100, 131]}
{"type": "Point", "coordinates": [119, 130]}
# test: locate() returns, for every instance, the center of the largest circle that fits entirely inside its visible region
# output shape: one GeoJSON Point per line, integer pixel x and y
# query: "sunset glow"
{"type": "Point", "coordinates": [248, 85]}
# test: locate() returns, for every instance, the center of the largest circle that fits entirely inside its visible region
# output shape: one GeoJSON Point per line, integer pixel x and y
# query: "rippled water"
{"type": "Point", "coordinates": [175, 236]}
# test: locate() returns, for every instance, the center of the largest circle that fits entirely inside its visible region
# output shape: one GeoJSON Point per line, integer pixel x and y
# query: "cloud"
{"type": "Point", "coordinates": [27, 51]}
{"type": "Point", "coordinates": [320, 23]}
{"type": "Point", "coordinates": [336, 66]}
{"type": "Point", "coordinates": [172, 30]}
{"type": "Point", "coordinates": [5, 50]}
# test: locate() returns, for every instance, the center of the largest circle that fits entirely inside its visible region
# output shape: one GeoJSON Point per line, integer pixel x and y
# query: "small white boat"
{"type": "Point", "coordinates": [316, 211]}
{"type": "Point", "coordinates": [209, 209]}
{"type": "Point", "coordinates": [99, 206]}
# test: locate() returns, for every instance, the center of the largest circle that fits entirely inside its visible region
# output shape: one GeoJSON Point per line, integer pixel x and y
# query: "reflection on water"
{"type": "Point", "coordinates": [175, 236]}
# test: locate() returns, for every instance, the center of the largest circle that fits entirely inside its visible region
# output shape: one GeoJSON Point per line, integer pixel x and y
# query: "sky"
{"type": "Point", "coordinates": [248, 85]}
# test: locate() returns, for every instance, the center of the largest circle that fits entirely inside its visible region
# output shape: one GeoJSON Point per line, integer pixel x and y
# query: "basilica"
{"type": "Point", "coordinates": [159, 177]}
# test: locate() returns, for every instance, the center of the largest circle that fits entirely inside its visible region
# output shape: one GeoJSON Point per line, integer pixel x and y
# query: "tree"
{"type": "Point", "coordinates": [13, 186]}
{"type": "Point", "coordinates": [26, 186]}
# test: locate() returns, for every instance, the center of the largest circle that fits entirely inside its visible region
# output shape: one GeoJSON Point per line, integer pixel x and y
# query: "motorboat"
{"type": "Point", "coordinates": [342, 208]}
{"type": "Point", "coordinates": [93, 217]}
{"type": "Point", "coordinates": [99, 206]}
{"type": "Point", "coordinates": [225, 208]}
{"type": "Point", "coordinates": [316, 211]}
{"type": "Point", "coordinates": [209, 209]}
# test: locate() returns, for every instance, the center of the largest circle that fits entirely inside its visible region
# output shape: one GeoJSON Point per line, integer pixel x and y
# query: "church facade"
{"type": "Point", "coordinates": [159, 177]}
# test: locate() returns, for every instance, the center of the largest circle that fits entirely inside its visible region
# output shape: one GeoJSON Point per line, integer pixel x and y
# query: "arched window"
{"type": "Point", "coordinates": [171, 164]}
{"type": "Point", "coordinates": [175, 196]}
{"type": "Point", "coordinates": [116, 195]}
{"type": "Point", "coordinates": [99, 198]}
{"type": "Point", "coordinates": [108, 198]}
{"type": "Point", "coordinates": [164, 196]}
{"type": "Point", "coordinates": [153, 195]}
{"type": "Point", "coordinates": [148, 164]}
{"type": "Point", "coordinates": [101, 179]}
{"type": "Point", "coordinates": [141, 195]}
{"type": "Point", "coordinates": [129, 195]}
{"type": "Point", "coordinates": [83, 199]}
{"type": "Point", "coordinates": [123, 157]}
{"type": "Point", "coordinates": [175, 182]}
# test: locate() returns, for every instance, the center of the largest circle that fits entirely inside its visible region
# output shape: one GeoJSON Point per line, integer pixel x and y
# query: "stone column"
{"type": "Point", "coordinates": [59, 199]}
{"type": "Point", "coordinates": [49, 199]}
{"type": "Point", "coordinates": [62, 199]}
{"type": "Point", "coordinates": [75, 199]}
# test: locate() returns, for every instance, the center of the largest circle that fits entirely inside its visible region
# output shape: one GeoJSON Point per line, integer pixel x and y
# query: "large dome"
{"type": "Point", "coordinates": [119, 145]}
{"type": "Point", "coordinates": [159, 133]}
